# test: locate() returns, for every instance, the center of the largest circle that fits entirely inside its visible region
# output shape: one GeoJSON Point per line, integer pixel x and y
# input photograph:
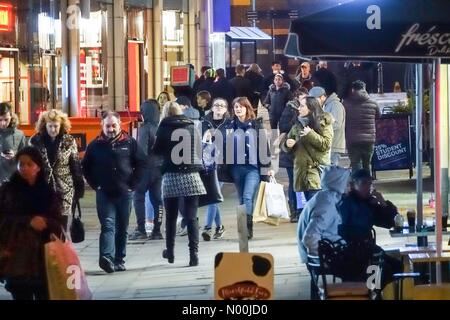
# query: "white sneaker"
{"type": "Point", "coordinates": [182, 231]}
{"type": "Point", "coordinates": [149, 227]}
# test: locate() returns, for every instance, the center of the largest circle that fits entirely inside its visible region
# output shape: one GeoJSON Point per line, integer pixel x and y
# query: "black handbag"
{"type": "Point", "coordinates": [213, 192]}
{"type": "Point", "coordinates": [77, 226]}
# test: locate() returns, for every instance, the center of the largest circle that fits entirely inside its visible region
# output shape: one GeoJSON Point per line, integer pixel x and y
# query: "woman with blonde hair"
{"type": "Point", "coordinates": [181, 180]}
{"type": "Point", "coordinates": [60, 153]}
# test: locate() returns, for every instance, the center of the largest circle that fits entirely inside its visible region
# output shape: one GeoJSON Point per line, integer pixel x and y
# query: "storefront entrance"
{"type": "Point", "coordinates": [9, 77]}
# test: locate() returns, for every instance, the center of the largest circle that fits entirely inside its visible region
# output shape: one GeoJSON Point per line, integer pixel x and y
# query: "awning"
{"type": "Point", "coordinates": [247, 33]}
{"type": "Point", "coordinates": [381, 30]}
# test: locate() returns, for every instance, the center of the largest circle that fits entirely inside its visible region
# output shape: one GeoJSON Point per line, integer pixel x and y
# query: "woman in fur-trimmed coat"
{"type": "Point", "coordinates": [60, 153]}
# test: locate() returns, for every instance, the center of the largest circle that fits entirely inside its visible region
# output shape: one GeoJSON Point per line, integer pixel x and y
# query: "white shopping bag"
{"type": "Point", "coordinates": [276, 200]}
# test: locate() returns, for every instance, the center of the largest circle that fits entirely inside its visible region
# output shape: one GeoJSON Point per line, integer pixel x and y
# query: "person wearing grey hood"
{"type": "Point", "coordinates": [332, 104]}
{"type": "Point", "coordinates": [151, 177]}
{"type": "Point", "coordinates": [320, 218]}
{"type": "Point", "coordinates": [11, 141]}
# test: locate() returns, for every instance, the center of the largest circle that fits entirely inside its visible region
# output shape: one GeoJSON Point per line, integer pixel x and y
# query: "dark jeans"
{"type": "Point", "coordinates": [309, 194]}
{"type": "Point", "coordinates": [291, 193]}
{"type": "Point", "coordinates": [274, 121]}
{"type": "Point", "coordinates": [246, 179]}
{"type": "Point", "coordinates": [114, 215]}
{"type": "Point", "coordinates": [27, 288]}
{"type": "Point", "coordinates": [150, 182]}
{"type": "Point", "coordinates": [360, 155]}
{"type": "Point", "coordinates": [190, 208]}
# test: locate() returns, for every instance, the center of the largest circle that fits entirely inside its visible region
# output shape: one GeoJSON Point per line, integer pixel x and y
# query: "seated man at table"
{"type": "Point", "coordinates": [363, 207]}
{"type": "Point", "coordinates": [320, 218]}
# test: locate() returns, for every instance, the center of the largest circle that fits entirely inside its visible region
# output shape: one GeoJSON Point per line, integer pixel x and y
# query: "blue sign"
{"type": "Point", "coordinates": [221, 15]}
{"type": "Point", "coordinates": [392, 150]}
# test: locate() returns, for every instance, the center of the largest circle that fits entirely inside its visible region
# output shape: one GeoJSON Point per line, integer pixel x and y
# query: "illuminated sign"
{"type": "Point", "coordinates": [6, 17]}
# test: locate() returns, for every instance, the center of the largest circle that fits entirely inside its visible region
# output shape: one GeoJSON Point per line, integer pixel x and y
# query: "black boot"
{"type": "Point", "coordinates": [170, 240]}
{"type": "Point", "coordinates": [292, 211]}
{"type": "Point", "coordinates": [156, 233]}
{"type": "Point", "coordinates": [193, 235]}
{"type": "Point", "coordinates": [250, 226]}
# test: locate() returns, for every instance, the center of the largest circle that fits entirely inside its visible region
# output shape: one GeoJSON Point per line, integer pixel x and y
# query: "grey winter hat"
{"type": "Point", "coordinates": [317, 92]}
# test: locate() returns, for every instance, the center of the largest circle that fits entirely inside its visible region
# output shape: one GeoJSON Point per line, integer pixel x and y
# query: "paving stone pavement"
{"type": "Point", "coordinates": [149, 276]}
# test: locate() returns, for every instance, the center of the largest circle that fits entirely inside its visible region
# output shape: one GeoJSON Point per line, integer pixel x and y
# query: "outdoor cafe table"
{"type": "Point", "coordinates": [422, 236]}
{"type": "Point", "coordinates": [429, 258]}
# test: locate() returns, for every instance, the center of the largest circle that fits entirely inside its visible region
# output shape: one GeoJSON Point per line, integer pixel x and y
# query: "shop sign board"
{"type": "Point", "coordinates": [6, 17]}
{"type": "Point", "coordinates": [181, 76]}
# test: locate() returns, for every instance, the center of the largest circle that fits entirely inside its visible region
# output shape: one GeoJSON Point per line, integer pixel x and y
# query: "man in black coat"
{"type": "Point", "coordinates": [242, 86]}
{"type": "Point", "coordinates": [222, 88]}
{"type": "Point", "coordinates": [112, 165]}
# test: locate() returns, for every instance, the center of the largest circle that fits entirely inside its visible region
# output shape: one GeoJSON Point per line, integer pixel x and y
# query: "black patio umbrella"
{"type": "Point", "coordinates": [415, 31]}
{"type": "Point", "coordinates": [382, 30]}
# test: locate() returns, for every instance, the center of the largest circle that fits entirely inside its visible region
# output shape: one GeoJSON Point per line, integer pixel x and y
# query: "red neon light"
{"type": "Point", "coordinates": [6, 17]}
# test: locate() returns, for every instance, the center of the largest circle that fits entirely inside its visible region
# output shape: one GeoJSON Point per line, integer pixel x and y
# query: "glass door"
{"type": "Point", "coordinates": [9, 82]}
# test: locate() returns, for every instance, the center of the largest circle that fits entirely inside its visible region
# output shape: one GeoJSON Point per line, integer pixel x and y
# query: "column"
{"type": "Point", "coordinates": [191, 37]}
{"type": "Point", "coordinates": [119, 42]}
{"type": "Point", "coordinates": [109, 42]}
{"type": "Point", "coordinates": [149, 48]}
{"type": "Point", "coordinates": [157, 45]}
{"type": "Point", "coordinates": [70, 24]}
{"type": "Point", "coordinates": [203, 34]}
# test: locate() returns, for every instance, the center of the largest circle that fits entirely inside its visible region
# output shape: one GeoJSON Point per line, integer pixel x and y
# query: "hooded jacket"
{"type": "Point", "coordinates": [320, 217]}
{"type": "Point", "coordinates": [114, 166]}
{"type": "Point", "coordinates": [147, 134]}
{"type": "Point", "coordinates": [13, 139]}
{"type": "Point", "coordinates": [277, 99]}
{"type": "Point", "coordinates": [310, 153]}
{"type": "Point", "coordinates": [188, 139]}
{"type": "Point", "coordinates": [361, 114]}
{"type": "Point", "coordinates": [334, 106]}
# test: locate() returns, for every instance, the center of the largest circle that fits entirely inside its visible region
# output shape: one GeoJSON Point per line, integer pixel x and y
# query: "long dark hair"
{"type": "Point", "coordinates": [36, 156]}
{"type": "Point", "coordinates": [315, 113]}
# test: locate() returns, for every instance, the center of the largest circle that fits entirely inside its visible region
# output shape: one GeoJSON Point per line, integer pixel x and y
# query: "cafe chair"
{"type": "Point", "coordinates": [432, 292]}
{"type": "Point", "coordinates": [347, 262]}
{"type": "Point", "coordinates": [313, 265]}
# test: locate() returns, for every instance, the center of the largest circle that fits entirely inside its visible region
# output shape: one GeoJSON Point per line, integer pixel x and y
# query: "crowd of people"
{"type": "Point", "coordinates": [311, 129]}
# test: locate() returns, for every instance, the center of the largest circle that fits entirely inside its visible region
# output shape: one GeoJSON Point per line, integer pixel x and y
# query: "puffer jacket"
{"type": "Point", "coordinates": [277, 99]}
{"type": "Point", "coordinates": [361, 113]}
{"type": "Point", "coordinates": [13, 139]}
{"type": "Point", "coordinates": [334, 106]}
{"type": "Point", "coordinates": [310, 153]}
{"type": "Point", "coordinates": [320, 217]}
{"type": "Point", "coordinates": [189, 137]}
{"type": "Point", "coordinates": [65, 175]}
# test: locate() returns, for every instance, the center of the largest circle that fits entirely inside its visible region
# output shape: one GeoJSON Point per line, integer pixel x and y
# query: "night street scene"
{"type": "Point", "coordinates": [192, 150]}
